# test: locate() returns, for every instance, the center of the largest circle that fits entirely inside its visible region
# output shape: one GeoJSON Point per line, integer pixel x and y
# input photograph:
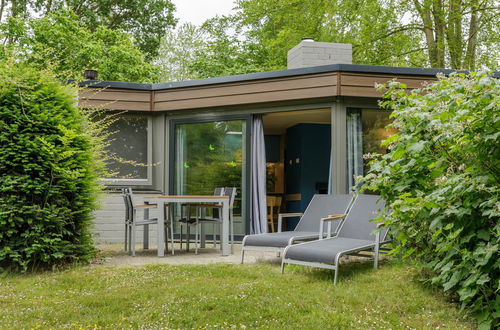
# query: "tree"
{"type": "Point", "coordinates": [371, 26]}
{"type": "Point", "coordinates": [50, 165]}
{"type": "Point", "coordinates": [60, 41]}
{"type": "Point", "coordinates": [224, 51]}
{"type": "Point", "coordinates": [214, 49]}
{"type": "Point", "coordinates": [145, 20]}
{"type": "Point", "coordinates": [458, 34]}
{"type": "Point", "coordinates": [177, 50]}
{"type": "Point", "coordinates": [441, 183]}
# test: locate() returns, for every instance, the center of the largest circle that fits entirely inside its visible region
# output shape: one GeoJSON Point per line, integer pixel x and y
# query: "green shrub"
{"type": "Point", "coordinates": [48, 171]}
{"type": "Point", "coordinates": [441, 182]}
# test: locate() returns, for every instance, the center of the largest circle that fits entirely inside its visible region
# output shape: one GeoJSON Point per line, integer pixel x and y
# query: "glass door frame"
{"type": "Point", "coordinates": [247, 167]}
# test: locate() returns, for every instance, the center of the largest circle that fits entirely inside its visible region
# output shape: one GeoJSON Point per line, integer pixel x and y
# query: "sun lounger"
{"type": "Point", "coordinates": [308, 227]}
{"type": "Point", "coordinates": [355, 235]}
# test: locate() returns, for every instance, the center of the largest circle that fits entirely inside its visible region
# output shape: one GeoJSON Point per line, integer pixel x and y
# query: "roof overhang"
{"type": "Point", "coordinates": [263, 87]}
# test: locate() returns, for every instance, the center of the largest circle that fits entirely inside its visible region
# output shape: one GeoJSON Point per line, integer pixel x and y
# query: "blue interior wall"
{"type": "Point", "coordinates": [272, 143]}
{"type": "Point", "coordinates": [311, 145]}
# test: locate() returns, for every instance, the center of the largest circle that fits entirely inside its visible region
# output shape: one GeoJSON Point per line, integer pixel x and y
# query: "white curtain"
{"type": "Point", "coordinates": [180, 156]}
{"type": "Point", "coordinates": [354, 146]}
{"type": "Point", "coordinates": [258, 210]}
{"type": "Point", "coordinates": [330, 178]}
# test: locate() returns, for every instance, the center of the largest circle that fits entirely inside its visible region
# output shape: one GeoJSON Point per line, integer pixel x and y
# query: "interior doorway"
{"type": "Point", "coordinates": [298, 146]}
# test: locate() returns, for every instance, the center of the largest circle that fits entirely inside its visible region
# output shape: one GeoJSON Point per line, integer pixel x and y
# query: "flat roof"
{"type": "Point", "coordinates": [370, 69]}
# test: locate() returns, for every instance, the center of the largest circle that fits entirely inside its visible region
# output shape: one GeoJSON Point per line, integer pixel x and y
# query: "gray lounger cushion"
{"type": "Point", "coordinates": [321, 206]}
{"type": "Point", "coordinates": [358, 224]}
{"type": "Point", "coordinates": [324, 251]}
{"type": "Point", "coordinates": [279, 240]}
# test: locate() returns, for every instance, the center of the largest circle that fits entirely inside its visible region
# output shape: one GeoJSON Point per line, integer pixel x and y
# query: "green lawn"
{"type": "Point", "coordinates": [225, 296]}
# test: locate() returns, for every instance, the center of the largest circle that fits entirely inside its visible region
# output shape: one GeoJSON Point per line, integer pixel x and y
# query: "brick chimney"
{"type": "Point", "coordinates": [312, 53]}
{"type": "Point", "coordinates": [90, 74]}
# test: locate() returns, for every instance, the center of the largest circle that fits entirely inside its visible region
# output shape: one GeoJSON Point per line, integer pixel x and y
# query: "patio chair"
{"type": "Point", "coordinates": [308, 227]}
{"type": "Point", "coordinates": [273, 210]}
{"type": "Point", "coordinates": [354, 236]}
{"type": "Point", "coordinates": [187, 219]}
{"type": "Point", "coordinates": [132, 221]}
{"type": "Point", "coordinates": [216, 217]}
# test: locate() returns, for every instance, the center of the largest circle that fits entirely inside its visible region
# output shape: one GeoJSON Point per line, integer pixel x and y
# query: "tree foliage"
{"type": "Point", "coordinates": [224, 53]}
{"type": "Point", "coordinates": [60, 41]}
{"type": "Point", "coordinates": [177, 50]}
{"type": "Point", "coordinates": [279, 25]}
{"type": "Point", "coordinates": [458, 34]}
{"type": "Point", "coordinates": [145, 20]}
{"type": "Point", "coordinates": [214, 49]}
{"type": "Point", "coordinates": [49, 169]}
{"type": "Point", "coordinates": [441, 181]}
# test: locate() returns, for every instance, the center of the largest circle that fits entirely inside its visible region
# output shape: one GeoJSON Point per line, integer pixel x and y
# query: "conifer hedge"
{"type": "Point", "coordinates": [48, 171]}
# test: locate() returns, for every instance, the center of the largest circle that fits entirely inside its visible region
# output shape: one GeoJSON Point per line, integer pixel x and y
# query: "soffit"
{"type": "Point", "coordinates": [277, 123]}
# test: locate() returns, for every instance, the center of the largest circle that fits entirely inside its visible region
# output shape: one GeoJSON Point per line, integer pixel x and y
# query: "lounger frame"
{"type": "Point", "coordinates": [375, 247]}
{"type": "Point", "coordinates": [294, 239]}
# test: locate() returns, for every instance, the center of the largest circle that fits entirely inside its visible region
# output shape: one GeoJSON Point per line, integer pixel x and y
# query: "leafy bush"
{"type": "Point", "coordinates": [48, 171]}
{"type": "Point", "coordinates": [441, 179]}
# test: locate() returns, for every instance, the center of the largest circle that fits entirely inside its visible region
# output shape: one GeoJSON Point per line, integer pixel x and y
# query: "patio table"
{"type": "Point", "coordinates": [161, 200]}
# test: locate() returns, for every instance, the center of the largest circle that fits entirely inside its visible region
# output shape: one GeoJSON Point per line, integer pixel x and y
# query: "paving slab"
{"type": "Point", "coordinates": [114, 255]}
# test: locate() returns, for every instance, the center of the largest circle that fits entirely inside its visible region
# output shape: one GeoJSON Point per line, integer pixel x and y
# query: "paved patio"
{"type": "Point", "coordinates": [114, 255]}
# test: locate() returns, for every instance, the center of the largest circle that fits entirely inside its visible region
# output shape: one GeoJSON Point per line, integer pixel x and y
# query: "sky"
{"type": "Point", "coordinates": [198, 11]}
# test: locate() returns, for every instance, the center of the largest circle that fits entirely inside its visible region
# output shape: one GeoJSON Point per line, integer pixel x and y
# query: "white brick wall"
{"type": "Point", "coordinates": [312, 53]}
{"type": "Point", "coordinates": [109, 225]}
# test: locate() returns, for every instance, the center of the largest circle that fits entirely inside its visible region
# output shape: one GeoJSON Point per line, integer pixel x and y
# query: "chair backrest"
{"type": "Point", "coordinates": [357, 223]}
{"type": "Point", "coordinates": [273, 206]}
{"type": "Point", "coordinates": [127, 200]}
{"type": "Point", "coordinates": [219, 191]}
{"type": "Point", "coordinates": [231, 192]}
{"type": "Point", "coordinates": [321, 206]}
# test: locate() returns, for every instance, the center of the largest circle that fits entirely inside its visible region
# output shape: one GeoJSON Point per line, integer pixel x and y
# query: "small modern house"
{"type": "Point", "coordinates": [310, 124]}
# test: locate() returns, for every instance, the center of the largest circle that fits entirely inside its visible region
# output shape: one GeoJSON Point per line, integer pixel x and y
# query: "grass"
{"type": "Point", "coordinates": [225, 296]}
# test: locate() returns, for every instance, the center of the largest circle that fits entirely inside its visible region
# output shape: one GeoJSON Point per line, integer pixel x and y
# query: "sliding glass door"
{"type": "Point", "coordinates": [209, 155]}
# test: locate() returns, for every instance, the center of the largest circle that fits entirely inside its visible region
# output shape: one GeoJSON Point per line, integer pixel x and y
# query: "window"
{"type": "Point", "coordinates": [366, 129]}
{"type": "Point", "coordinates": [130, 146]}
{"type": "Point", "coordinates": [209, 155]}
{"type": "Point", "coordinates": [374, 122]}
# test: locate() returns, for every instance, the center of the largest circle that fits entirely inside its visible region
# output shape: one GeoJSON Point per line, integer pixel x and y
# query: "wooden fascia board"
{"type": "Point", "coordinates": [363, 84]}
{"type": "Point", "coordinates": [311, 86]}
{"type": "Point", "coordinates": [249, 92]}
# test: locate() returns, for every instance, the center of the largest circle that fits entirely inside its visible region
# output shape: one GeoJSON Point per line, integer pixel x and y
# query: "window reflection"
{"type": "Point", "coordinates": [209, 155]}
{"type": "Point", "coordinates": [128, 146]}
{"type": "Point", "coordinates": [366, 129]}
{"type": "Point", "coordinates": [374, 123]}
